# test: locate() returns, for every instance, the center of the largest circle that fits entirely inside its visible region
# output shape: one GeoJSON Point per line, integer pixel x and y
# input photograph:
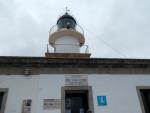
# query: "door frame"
{"type": "Point", "coordinates": [71, 88]}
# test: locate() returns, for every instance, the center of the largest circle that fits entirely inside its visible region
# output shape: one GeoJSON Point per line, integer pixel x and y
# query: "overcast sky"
{"type": "Point", "coordinates": [113, 28]}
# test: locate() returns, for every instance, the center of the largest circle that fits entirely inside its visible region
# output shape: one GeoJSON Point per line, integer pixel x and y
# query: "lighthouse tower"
{"type": "Point", "coordinates": [67, 38]}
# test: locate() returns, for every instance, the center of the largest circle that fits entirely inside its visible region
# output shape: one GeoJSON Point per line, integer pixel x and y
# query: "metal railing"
{"type": "Point", "coordinates": [68, 47]}
{"type": "Point", "coordinates": [78, 28]}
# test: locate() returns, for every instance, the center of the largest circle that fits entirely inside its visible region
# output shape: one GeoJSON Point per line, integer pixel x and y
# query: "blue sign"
{"type": "Point", "coordinates": [102, 101]}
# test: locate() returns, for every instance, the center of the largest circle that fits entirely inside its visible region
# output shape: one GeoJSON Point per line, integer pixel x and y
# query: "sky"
{"type": "Point", "coordinates": [112, 28]}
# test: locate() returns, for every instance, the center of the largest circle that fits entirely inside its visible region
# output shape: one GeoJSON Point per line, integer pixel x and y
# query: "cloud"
{"type": "Point", "coordinates": [112, 27]}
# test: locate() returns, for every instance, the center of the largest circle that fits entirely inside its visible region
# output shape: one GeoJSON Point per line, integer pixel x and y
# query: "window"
{"type": "Point", "coordinates": [145, 95]}
{"type": "Point", "coordinates": [3, 98]}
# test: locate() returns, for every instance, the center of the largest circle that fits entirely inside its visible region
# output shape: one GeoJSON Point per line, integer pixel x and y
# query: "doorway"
{"type": "Point", "coordinates": [77, 99]}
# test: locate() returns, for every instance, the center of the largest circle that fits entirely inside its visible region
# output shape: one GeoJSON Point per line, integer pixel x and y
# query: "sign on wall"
{"type": "Point", "coordinates": [49, 104]}
{"type": "Point", "coordinates": [76, 80]}
{"type": "Point", "coordinates": [102, 100]}
{"type": "Point", "coordinates": [26, 106]}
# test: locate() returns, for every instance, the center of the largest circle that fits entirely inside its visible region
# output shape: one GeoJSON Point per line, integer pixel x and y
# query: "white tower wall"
{"type": "Point", "coordinates": [67, 44]}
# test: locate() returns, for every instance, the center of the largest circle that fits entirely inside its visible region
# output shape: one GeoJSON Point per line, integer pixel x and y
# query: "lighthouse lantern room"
{"type": "Point", "coordinates": [65, 37]}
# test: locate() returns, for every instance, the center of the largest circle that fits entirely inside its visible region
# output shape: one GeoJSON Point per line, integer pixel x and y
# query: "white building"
{"type": "Point", "coordinates": [69, 81]}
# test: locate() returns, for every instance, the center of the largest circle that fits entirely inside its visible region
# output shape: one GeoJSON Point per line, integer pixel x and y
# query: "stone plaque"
{"type": "Point", "coordinates": [76, 80]}
{"type": "Point", "coordinates": [52, 104]}
{"type": "Point", "coordinates": [26, 106]}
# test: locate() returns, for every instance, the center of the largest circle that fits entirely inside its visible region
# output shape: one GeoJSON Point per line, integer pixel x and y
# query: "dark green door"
{"type": "Point", "coordinates": [76, 102]}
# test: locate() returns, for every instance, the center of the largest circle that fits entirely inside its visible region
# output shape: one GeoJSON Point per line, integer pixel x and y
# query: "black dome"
{"type": "Point", "coordinates": [66, 21]}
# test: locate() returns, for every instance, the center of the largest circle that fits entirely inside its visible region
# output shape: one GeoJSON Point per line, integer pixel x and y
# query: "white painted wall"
{"type": "Point", "coordinates": [120, 91]}
{"type": "Point", "coordinates": [20, 88]}
{"type": "Point", "coordinates": [67, 44]}
{"type": "Point", "coordinates": [50, 88]}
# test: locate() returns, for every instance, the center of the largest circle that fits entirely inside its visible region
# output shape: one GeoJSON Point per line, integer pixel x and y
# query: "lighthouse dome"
{"type": "Point", "coordinates": [66, 21]}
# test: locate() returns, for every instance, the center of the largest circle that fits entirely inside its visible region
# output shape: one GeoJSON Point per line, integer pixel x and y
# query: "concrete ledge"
{"type": "Point", "coordinates": [67, 55]}
{"type": "Point", "coordinates": [19, 65]}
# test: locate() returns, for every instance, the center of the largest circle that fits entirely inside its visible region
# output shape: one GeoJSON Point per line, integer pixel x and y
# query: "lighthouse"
{"type": "Point", "coordinates": [67, 38]}
{"type": "Point", "coordinates": [68, 80]}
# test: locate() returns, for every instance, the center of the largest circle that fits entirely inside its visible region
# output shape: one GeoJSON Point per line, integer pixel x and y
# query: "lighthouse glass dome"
{"type": "Point", "coordinates": [66, 21]}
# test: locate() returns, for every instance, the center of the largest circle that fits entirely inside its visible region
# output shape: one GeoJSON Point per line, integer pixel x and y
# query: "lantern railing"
{"type": "Point", "coordinates": [55, 28]}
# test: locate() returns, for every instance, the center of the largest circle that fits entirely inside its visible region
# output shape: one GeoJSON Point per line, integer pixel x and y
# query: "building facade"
{"type": "Point", "coordinates": [69, 81]}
